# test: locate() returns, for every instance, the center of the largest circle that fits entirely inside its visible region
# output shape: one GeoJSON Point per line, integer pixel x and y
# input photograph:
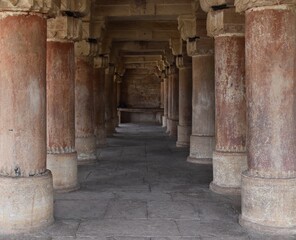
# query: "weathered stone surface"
{"type": "Point", "coordinates": [64, 28]}
{"type": "Point", "coordinates": [200, 46]}
{"type": "Point", "coordinates": [84, 111]}
{"type": "Point", "coordinates": [243, 5]}
{"type": "Point", "coordinates": [61, 153]}
{"type": "Point", "coordinates": [22, 87]}
{"type": "Point", "coordinates": [207, 5]}
{"type": "Point", "coordinates": [78, 7]}
{"type": "Point", "coordinates": [39, 6]}
{"type": "Point", "coordinates": [226, 22]}
{"type": "Point", "coordinates": [190, 26]}
{"type": "Point", "coordinates": [202, 140]}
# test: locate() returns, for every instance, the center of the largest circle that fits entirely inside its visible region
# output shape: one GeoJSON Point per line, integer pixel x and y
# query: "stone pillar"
{"type": "Point", "coordinates": [173, 115]}
{"type": "Point", "coordinates": [61, 153]}
{"type": "Point", "coordinates": [184, 64]}
{"type": "Point", "coordinates": [202, 139]}
{"type": "Point", "coordinates": [169, 121]}
{"type": "Point", "coordinates": [109, 76]}
{"type": "Point", "coordinates": [115, 83]}
{"type": "Point", "coordinates": [229, 159]}
{"type": "Point", "coordinates": [84, 105]}
{"type": "Point", "coordinates": [99, 101]}
{"type": "Point", "coordinates": [26, 188]}
{"type": "Point", "coordinates": [165, 102]}
{"type": "Point", "coordinates": [268, 186]}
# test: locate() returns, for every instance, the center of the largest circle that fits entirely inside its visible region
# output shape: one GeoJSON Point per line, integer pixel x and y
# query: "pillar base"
{"type": "Point", "coordinates": [164, 121]}
{"type": "Point", "coordinates": [268, 204]}
{"type": "Point", "coordinates": [184, 133]}
{"type": "Point", "coordinates": [86, 150]}
{"type": "Point", "coordinates": [227, 170]}
{"type": "Point", "coordinates": [174, 128]}
{"type": "Point", "coordinates": [26, 203]}
{"type": "Point", "coordinates": [201, 149]}
{"type": "Point", "coordinates": [64, 171]}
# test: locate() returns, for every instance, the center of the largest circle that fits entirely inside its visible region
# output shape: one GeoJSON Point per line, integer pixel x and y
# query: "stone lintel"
{"type": "Point", "coordinates": [145, 8]}
{"type": "Point", "coordinates": [243, 5]}
{"type": "Point", "coordinates": [64, 28]}
{"type": "Point", "coordinates": [190, 27]}
{"type": "Point", "coordinates": [200, 46]}
{"type": "Point", "coordinates": [225, 21]}
{"type": "Point", "coordinates": [140, 59]}
{"type": "Point", "coordinates": [49, 7]}
{"type": "Point", "coordinates": [208, 5]}
{"type": "Point", "coordinates": [78, 8]}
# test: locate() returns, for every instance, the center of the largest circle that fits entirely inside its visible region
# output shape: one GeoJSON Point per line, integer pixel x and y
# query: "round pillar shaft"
{"type": "Point", "coordinates": [173, 102]}
{"type": "Point", "coordinates": [202, 140]}
{"type": "Point", "coordinates": [61, 153]}
{"type": "Point", "coordinates": [84, 111]}
{"type": "Point", "coordinates": [165, 102]}
{"type": "Point", "coordinates": [185, 106]}
{"type": "Point", "coordinates": [169, 121]}
{"type": "Point", "coordinates": [229, 159]}
{"type": "Point", "coordinates": [26, 192]}
{"type": "Point", "coordinates": [109, 100]}
{"type": "Point", "coordinates": [268, 187]}
{"type": "Point", "coordinates": [99, 106]}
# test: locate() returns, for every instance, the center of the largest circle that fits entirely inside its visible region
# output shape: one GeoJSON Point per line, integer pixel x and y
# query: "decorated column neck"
{"type": "Point", "coordinates": [244, 5]}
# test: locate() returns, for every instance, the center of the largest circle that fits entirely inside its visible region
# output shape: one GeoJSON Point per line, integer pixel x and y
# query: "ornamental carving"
{"type": "Point", "coordinates": [78, 7]}
{"type": "Point", "coordinates": [190, 27]}
{"type": "Point", "coordinates": [39, 6]}
{"type": "Point", "coordinates": [243, 5]}
{"type": "Point", "coordinates": [86, 48]}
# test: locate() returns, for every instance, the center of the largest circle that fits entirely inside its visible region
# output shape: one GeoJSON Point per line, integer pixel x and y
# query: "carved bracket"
{"type": "Point", "coordinates": [243, 5]}
{"type": "Point", "coordinates": [86, 48]}
{"type": "Point", "coordinates": [208, 5]}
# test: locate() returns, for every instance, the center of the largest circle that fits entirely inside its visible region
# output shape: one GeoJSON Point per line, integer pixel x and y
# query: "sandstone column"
{"type": "Point", "coordinates": [173, 114]}
{"type": "Point", "coordinates": [84, 104]}
{"type": "Point", "coordinates": [165, 102]}
{"type": "Point", "coordinates": [202, 140]}
{"type": "Point", "coordinates": [169, 121]}
{"type": "Point", "coordinates": [109, 79]}
{"type": "Point", "coordinates": [99, 100]}
{"type": "Point", "coordinates": [229, 159]}
{"type": "Point", "coordinates": [185, 100]}
{"type": "Point", "coordinates": [268, 186]}
{"type": "Point", "coordinates": [26, 192]}
{"type": "Point", "coordinates": [61, 153]}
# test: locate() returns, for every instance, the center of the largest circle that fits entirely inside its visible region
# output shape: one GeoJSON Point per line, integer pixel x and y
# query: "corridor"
{"type": "Point", "coordinates": [142, 188]}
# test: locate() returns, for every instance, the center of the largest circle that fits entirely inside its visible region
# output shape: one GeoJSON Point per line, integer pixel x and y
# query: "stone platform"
{"type": "Point", "coordinates": [142, 188]}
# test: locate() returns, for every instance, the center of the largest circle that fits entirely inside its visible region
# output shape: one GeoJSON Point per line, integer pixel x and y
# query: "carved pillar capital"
{"type": "Point", "coordinates": [183, 62]}
{"type": "Point", "coordinates": [207, 5]}
{"type": "Point", "coordinates": [189, 26]}
{"type": "Point", "coordinates": [200, 46]}
{"type": "Point", "coordinates": [101, 62]}
{"type": "Point", "coordinates": [225, 21]}
{"type": "Point", "coordinates": [49, 7]}
{"type": "Point", "coordinates": [64, 28]}
{"type": "Point", "coordinates": [78, 8]}
{"type": "Point", "coordinates": [243, 5]}
{"type": "Point", "coordinates": [86, 48]}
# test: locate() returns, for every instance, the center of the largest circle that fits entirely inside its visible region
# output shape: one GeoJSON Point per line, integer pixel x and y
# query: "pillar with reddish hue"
{"type": "Point", "coordinates": [185, 100]}
{"type": "Point", "coordinates": [165, 102]}
{"type": "Point", "coordinates": [229, 158]}
{"type": "Point", "coordinates": [26, 188]}
{"type": "Point", "coordinates": [109, 99]}
{"type": "Point", "coordinates": [84, 110]}
{"type": "Point", "coordinates": [99, 106]}
{"type": "Point", "coordinates": [202, 139]}
{"type": "Point", "coordinates": [61, 153]}
{"type": "Point", "coordinates": [268, 186]}
{"type": "Point", "coordinates": [173, 98]}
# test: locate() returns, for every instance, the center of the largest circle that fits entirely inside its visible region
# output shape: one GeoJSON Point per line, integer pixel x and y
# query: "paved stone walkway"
{"type": "Point", "coordinates": [142, 188]}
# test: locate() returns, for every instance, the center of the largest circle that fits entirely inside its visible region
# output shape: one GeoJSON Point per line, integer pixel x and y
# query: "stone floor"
{"type": "Point", "coordinates": [142, 188]}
